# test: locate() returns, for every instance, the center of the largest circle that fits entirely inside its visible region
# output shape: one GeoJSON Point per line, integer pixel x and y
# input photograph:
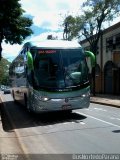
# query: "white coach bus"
{"type": "Point", "coordinates": [51, 75]}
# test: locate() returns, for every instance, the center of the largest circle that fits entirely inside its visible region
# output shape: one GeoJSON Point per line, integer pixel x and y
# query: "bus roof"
{"type": "Point", "coordinates": [53, 44]}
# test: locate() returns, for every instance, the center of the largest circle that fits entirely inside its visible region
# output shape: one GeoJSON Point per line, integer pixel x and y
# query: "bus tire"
{"type": "Point", "coordinates": [67, 112]}
{"type": "Point", "coordinates": [26, 102]}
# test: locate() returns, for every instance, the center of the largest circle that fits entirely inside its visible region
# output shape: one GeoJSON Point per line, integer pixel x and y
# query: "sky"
{"type": "Point", "coordinates": [47, 18]}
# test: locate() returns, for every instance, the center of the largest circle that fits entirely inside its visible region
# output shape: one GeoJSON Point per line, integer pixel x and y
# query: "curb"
{"type": "Point", "coordinates": [104, 103]}
{"type": "Point", "coordinates": [13, 126]}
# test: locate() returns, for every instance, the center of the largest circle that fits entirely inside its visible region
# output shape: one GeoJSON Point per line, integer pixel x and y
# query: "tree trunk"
{"type": "Point", "coordinates": [94, 86]}
{"type": "Point", "coordinates": [1, 39]}
{"type": "Point", "coordinates": [0, 50]}
{"type": "Point", "coordinates": [94, 50]}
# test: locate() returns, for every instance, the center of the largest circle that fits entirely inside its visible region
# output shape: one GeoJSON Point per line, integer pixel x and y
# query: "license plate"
{"type": "Point", "coordinates": [56, 100]}
{"type": "Point", "coordinates": [66, 106]}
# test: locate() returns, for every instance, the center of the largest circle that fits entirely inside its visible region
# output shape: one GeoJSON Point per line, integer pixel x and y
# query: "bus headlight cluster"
{"type": "Point", "coordinates": [85, 95]}
{"type": "Point", "coordinates": [44, 99]}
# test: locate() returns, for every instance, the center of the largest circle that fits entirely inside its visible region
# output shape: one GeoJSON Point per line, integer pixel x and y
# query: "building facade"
{"type": "Point", "coordinates": [107, 79]}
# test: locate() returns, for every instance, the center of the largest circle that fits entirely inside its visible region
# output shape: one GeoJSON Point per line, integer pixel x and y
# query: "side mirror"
{"type": "Point", "coordinates": [92, 57]}
{"type": "Point", "coordinates": [30, 61]}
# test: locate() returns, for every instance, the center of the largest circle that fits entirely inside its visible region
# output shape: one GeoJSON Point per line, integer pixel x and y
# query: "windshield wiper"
{"type": "Point", "coordinates": [74, 77]}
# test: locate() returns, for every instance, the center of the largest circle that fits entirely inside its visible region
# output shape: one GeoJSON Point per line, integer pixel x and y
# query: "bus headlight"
{"type": "Point", "coordinates": [45, 99]}
{"type": "Point", "coordinates": [86, 95]}
{"type": "Point", "coordinates": [40, 98]}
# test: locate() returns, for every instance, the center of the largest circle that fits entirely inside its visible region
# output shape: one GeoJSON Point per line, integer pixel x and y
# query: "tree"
{"type": "Point", "coordinates": [68, 24]}
{"type": "Point", "coordinates": [4, 71]}
{"type": "Point", "coordinates": [14, 27]}
{"type": "Point", "coordinates": [100, 11]}
{"type": "Point", "coordinates": [96, 12]}
{"type": "Point", "coordinates": [90, 23]}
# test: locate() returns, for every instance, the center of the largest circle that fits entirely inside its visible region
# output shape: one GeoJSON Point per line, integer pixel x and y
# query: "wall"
{"type": "Point", "coordinates": [108, 59]}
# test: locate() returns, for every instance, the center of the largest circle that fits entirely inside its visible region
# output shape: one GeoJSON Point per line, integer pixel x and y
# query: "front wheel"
{"type": "Point", "coordinates": [26, 104]}
{"type": "Point", "coordinates": [67, 112]}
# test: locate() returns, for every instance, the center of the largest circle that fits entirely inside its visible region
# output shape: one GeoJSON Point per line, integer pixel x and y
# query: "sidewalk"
{"type": "Point", "coordinates": [104, 99]}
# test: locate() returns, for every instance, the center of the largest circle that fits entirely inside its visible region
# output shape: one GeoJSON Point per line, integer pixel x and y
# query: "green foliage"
{"type": "Point", "coordinates": [14, 27]}
{"type": "Point", "coordinates": [72, 26]}
{"type": "Point", "coordinates": [90, 24]}
{"type": "Point", "coordinates": [68, 24]}
{"type": "Point", "coordinates": [4, 71]}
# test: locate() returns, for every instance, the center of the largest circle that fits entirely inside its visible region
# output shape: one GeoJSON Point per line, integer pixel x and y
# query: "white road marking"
{"type": "Point", "coordinates": [82, 123]}
{"type": "Point", "coordinates": [100, 109]}
{"type": "Point", "coordinates": [115, 125]}
{"type": "Point", "coordinates": [67, 123]}
{"type": "Point", "coordinates": [115, 118]}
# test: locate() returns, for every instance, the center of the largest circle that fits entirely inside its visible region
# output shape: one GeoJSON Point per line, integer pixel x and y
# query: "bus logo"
{"type": "Point", "coordinates": [66, 100]}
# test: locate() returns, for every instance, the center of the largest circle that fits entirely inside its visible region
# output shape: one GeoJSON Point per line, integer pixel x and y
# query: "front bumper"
{"type": "Point", "coordinates": [58, 104]}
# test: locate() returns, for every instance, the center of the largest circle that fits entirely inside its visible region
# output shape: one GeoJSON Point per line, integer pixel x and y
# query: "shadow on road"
{"type": "Point", "coordinates": [116, 131]}
{"type": "Point", "coordinates": [7, 126]}
{"type": "Point", "coordinates": [58, 117]}
{"type": "Point", "coordinates": [15, 116]}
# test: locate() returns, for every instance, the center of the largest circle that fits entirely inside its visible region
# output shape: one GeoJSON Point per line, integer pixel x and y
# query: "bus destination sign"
{"type": "Point", "coordinates": [46, 51]}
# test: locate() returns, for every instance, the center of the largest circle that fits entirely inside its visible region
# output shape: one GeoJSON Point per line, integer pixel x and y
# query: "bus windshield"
{"type": "Point", "coordinates": [59, 68]}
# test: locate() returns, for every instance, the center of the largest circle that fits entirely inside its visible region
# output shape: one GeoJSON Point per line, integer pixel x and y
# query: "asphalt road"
{"type": "Point", "coordinates": [87, 131]}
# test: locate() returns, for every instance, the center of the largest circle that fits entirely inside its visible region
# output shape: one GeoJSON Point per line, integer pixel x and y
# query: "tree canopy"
{"type": "Point", "coordinates": [68, 24]}
{"type": "Point", "coordinates": [90, 23]}
{"type": "Point", "coordinates": [4, 71]}
{"type": "Point", "coordinates": [14, 27]}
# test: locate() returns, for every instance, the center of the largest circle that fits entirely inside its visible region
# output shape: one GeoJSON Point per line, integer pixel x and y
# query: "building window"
{"type": "Point", "coordinates": [109, 44]}
{"type": "Point", "coordinates": [118, 39]}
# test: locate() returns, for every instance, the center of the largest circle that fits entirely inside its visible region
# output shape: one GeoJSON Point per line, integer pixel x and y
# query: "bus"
{"type": "Point", "coordinates": [51, 75]}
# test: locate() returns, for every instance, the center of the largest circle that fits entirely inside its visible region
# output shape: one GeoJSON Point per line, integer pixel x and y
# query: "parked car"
{"type": "Point", "coordinates": [7, 91]}
{"type": "Point", "coordinates": [2, 87]}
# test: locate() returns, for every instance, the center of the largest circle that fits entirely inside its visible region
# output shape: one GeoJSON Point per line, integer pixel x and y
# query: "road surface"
{"type": "Point", "coordinates": [95, 130]}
